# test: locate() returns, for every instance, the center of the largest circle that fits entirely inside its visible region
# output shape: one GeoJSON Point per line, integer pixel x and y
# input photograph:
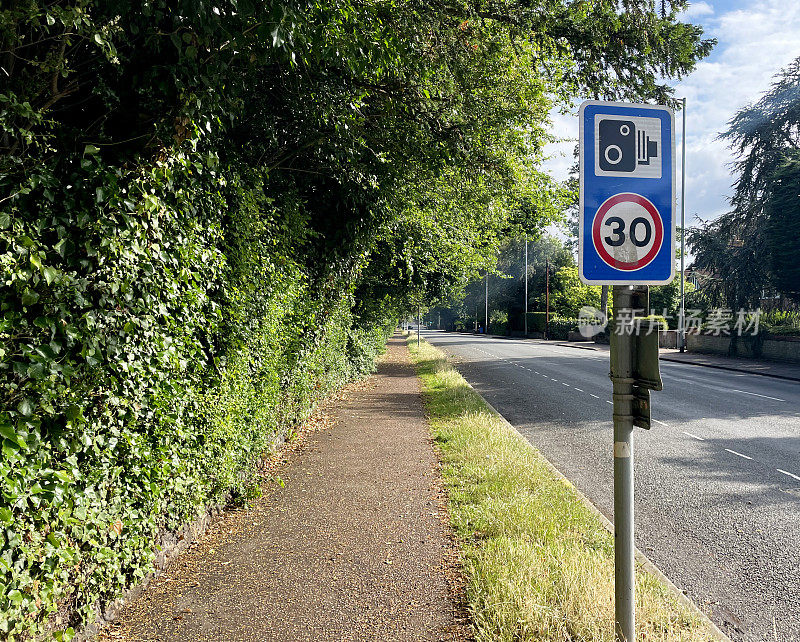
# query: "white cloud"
{"type": "Point", "coordinates": [698, 9]}
{"type": "Point", "coordinates": [755, 43]}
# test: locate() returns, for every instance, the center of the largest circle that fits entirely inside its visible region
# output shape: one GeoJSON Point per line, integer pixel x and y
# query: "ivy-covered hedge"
{"type": "Point", "coordinates": [170, 303]}
{"type": "Point", "coordinates": [156, 338]}
{"type": "Point", "coordinates": [559, 328]}
{"type": "Point", "coordinates": [536, 321]}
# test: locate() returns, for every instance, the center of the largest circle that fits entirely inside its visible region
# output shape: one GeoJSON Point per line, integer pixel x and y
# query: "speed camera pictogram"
{"type": "Point", "coordinates": [628, 147]}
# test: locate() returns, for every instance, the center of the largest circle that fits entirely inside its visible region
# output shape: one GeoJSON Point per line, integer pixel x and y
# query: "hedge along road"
{"type": "Point", "coordinates": [717, 478]}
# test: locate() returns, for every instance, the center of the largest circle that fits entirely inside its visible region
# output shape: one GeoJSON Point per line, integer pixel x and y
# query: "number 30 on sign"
{"type": "Point", "coordinates": [627, 194]}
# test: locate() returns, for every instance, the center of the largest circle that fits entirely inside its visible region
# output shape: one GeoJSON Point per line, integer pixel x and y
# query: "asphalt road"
{"type": "Point", "coordinates": [717, 478]}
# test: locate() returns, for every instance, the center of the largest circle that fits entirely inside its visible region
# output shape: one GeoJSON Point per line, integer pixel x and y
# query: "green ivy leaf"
{"type": "Point", "coordinates": [50, 274]}
{"type": "Point", "coordinates": [29, 297]}
{"type": "Point", "coordinates": [36, 371]}
{"type": "Point", "coordinates": [7, 431]}
{"type": "Point", "coordinates": [6, 516]}
{"type": "Point", "coordinates": [64, 477]}
{"type": "Point", "coordinates": [73, 412]}
{"type": "Point", "coordinates": [25, 407]}
{"type": "Point", "coordinates": [64, 636]}
{"type": "Point", "coordinates": [15, 596]}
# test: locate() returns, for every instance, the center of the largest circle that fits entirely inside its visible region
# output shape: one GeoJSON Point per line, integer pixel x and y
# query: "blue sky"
{"type": "Point", "coordinates": [756, 38]}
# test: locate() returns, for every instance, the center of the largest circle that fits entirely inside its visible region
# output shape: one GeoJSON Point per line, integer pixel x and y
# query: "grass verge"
{"type": "Point", "coordinates": [538, 563]}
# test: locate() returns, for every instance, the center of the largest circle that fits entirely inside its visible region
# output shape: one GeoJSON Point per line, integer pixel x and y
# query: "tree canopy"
{"type": "Point", "coordinates": [374, 114]}
{"type": "Point", "coordinates": [752, 247]}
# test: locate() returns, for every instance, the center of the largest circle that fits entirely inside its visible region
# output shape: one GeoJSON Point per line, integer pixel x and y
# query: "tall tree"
{"type": "Point", "coordinates": [753, 246]}
{"type": "Point", "coordinates": [782, 212]}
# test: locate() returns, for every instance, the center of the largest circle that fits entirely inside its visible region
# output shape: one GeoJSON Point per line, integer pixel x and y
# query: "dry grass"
{"type": "Point", "coordinates": [539, 565]}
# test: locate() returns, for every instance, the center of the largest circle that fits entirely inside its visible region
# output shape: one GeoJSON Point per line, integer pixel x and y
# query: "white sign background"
{"type": "Point", "coordinates": [651, 127]}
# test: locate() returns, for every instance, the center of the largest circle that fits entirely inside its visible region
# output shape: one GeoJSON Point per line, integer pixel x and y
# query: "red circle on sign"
{"type": "Point", "coordinates": [657, 223]}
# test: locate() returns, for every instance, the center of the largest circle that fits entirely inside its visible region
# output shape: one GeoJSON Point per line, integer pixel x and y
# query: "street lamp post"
{"type": "Point", "coordinates": [486, 310]}
{"type": "Point", "coordinates": [681, 318]}
{"type": "Point", "coordinates": [526, 284]}
{"type": "Point", "coordinates": [546, 298]}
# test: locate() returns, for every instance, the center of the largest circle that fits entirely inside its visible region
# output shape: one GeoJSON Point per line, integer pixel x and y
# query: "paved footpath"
{"type": "Point", "coordinates": [353, 547]}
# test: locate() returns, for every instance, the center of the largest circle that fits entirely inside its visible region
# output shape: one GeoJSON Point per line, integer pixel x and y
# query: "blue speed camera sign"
{"type": "Point", "coordinates": [627, 194]}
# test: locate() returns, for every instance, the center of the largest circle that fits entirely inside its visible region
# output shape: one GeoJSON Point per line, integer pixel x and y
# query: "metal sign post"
{"type": "Point", "coordinates": [627, 240]}
{"type": "Point", "coordinates": [624, 548]}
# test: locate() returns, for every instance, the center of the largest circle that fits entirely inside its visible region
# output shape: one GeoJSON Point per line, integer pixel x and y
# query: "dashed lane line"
{"type": "Point", "coordinates": [755, 394]}
{"type": "Point", "coordinates": [733, 452]}
{"type": "Point", "coordinates": [692, 436]}
{"type": "Point", "coordinates": [594, 395]}
{"type": "Point", "coordinates": [658, 421]}
{"type": "Point", "coordinates": [787, 473]}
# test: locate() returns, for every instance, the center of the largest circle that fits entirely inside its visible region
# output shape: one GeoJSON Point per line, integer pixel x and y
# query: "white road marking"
{"type": "Point", "coordinates": [733, 452]}
{"type": "Point", "coordinates": [755, 394]}
{"type": "Point", "coordinates": [565, 384]}
{"type": "Point", "coordinates": [611, 402]}
{"type": "Point", "coordinates": [693, 436]}
{"type": "Point", "coordinates": [595, 396]}
{"type": "Point", "coordinates": [578, 389]}
{"type": "Point", "coordinates": [659, 422]}
{"type": "Point", "coordinates": [551, 379]}
{"type": "Point", "coordinates": [790, 474]}
{"type": "Point", "coordinates": [699, 381]}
